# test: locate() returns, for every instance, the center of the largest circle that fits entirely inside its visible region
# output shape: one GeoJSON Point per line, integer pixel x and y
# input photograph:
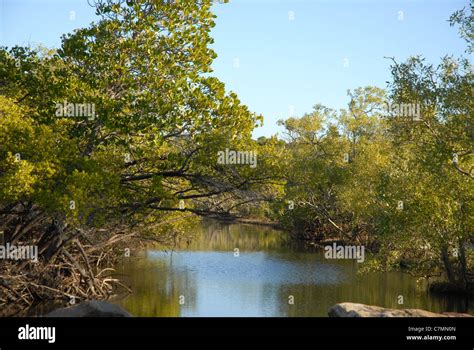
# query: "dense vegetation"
{"type": "Point", "coordinates": [140, 166]}
{"type": "Point", "coordinates": [143, 165]}
{"type": "Point", "coordinates": [394, 170]}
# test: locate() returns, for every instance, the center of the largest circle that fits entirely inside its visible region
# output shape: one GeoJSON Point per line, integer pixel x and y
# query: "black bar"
{"type": "Point", "coordinates": [373, 332]}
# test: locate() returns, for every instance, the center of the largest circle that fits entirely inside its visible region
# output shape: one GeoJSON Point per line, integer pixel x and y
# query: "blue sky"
{"type": "Point", "coordinates": [282, 56]}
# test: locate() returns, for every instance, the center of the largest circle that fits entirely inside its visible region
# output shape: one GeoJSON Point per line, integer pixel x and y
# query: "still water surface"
{"type": "Point", "coordinates": [208, 278]}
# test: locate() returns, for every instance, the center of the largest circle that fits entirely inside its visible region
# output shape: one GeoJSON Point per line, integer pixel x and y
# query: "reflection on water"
{"type": "Point", "coordinates": [209, 277]}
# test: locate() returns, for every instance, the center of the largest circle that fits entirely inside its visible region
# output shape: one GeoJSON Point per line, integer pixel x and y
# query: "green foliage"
{"type": "Point", "coordinates": [160, 120]}
{"type": "Point", "coordinates": [399, 183]}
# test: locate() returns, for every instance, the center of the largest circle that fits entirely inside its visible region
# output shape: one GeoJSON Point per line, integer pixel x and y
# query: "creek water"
{"type": "Point", "coordinates": [250, 270]}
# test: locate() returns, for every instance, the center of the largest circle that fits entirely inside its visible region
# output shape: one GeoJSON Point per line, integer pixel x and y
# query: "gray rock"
{"type": "Point", "coordinates": [362, 310]}
{"type": "Point", "coordinates": [92, 308]}
{"type": "Point", "coordinates": [456, 314]}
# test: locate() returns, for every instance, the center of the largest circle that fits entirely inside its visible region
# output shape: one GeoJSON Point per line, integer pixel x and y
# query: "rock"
{"type": "Point", "coordinates": [362, 310]}
{"type": "Point", "coordinates": [455, 314]}
{"type": "Point", "coordinates": [92, 308]}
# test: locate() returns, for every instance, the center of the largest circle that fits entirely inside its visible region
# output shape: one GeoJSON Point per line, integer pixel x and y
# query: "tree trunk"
{"type": "Point", "coordinates": [448, 267]}
{"type": "Point", "coordinates": [462, 262]}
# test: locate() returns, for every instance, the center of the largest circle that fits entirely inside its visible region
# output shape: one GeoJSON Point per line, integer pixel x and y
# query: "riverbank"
{"type": "Point", "coordinates": [247, 221]}
{"type": "Point", "coordinates": [259, 222]}
{"type": "Point", "coordinates": [255, 269]}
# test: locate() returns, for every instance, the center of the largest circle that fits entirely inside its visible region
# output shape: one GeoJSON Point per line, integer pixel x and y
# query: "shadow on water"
{"type": "Point", "coordinates": [246, 270]}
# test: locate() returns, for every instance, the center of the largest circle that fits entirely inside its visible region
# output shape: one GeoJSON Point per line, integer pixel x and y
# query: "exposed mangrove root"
{"type": "Point", "coordinates": [77, 271]}
{"type": "Point", "coordinates": [66, 265]}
